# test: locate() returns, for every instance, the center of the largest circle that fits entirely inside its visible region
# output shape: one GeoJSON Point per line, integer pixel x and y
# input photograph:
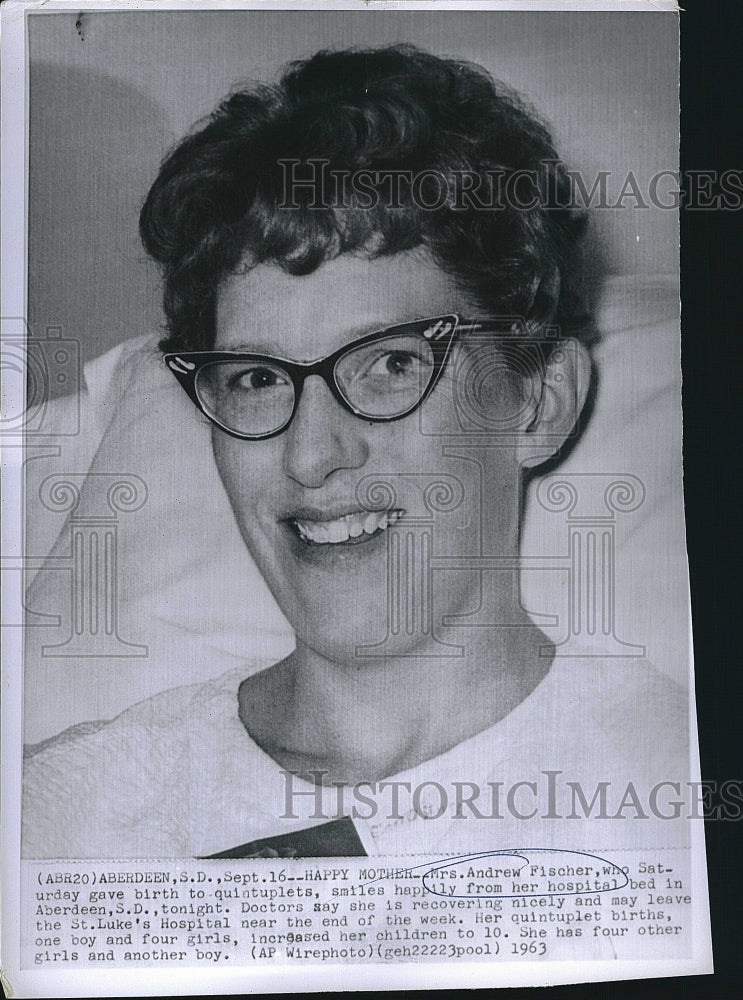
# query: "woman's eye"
{"type": "Point", "coordinates": [395, 363]}
{"type": "Point", "coordinates": [258, 378]}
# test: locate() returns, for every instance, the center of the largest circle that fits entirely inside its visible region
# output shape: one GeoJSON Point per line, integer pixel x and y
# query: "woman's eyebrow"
{"type": "Point", "coordinates": [273, 350]}
{"type": "Point", "coordinates": [254, 348]}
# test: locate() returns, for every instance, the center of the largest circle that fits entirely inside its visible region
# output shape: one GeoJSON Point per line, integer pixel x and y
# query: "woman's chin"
{"type": "Point", "coordinates": [338, 621]}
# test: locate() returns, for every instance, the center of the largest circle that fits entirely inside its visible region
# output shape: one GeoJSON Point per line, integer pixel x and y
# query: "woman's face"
{"type": "Point", "coordinates": [322, 553]}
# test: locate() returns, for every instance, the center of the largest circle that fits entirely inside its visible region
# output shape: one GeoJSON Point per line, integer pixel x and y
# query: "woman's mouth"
{"type": "Point", "coordinates": [353, 528]}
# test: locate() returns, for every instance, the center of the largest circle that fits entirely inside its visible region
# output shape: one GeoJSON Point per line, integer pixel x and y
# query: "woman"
{"type": "Point", "coordinates": [364, 267]}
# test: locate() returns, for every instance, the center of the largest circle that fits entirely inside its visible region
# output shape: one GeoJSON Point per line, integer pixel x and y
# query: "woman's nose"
{"type": "Point", "coordinates": [323, 438]}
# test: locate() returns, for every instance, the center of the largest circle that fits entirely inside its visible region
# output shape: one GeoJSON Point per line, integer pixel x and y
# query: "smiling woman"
{"type": "Point", "coordinates": [352, 350]}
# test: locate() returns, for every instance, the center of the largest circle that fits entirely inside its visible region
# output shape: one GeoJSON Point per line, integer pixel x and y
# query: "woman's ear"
{"type": "Point", "coordinates": [563, 392]}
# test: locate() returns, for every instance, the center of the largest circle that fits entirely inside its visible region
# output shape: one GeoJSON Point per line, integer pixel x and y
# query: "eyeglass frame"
{"type": "Point", "coordinates": [441, 334]}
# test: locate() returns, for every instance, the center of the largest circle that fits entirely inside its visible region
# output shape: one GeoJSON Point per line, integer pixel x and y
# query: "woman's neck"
{"type": "Point", "coordinates": [370, 719]}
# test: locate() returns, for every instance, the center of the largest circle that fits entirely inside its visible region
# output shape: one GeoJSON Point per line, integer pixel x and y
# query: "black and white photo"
{"type": "Point", "coordinates": [350, 496]}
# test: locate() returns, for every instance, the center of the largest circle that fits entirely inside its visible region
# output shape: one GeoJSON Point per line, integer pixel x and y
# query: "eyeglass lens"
{"type": "Point", "coordinates": [384, 378]}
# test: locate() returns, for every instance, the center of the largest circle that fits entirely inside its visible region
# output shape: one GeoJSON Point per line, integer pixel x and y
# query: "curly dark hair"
{"type": "Point", "coordinates": [219, 201]}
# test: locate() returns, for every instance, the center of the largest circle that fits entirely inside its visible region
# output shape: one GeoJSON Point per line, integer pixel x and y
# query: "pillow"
{"type": "Point", "coordinates": [136, 498]}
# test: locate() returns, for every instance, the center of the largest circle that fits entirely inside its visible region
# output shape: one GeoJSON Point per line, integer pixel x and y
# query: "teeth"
{"type": "Point", "coordinates": [323, 535]}
{"type": "Point", "coordinates": [348, 526]}
{"type": "Point", "coordinates": [337, 531]}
